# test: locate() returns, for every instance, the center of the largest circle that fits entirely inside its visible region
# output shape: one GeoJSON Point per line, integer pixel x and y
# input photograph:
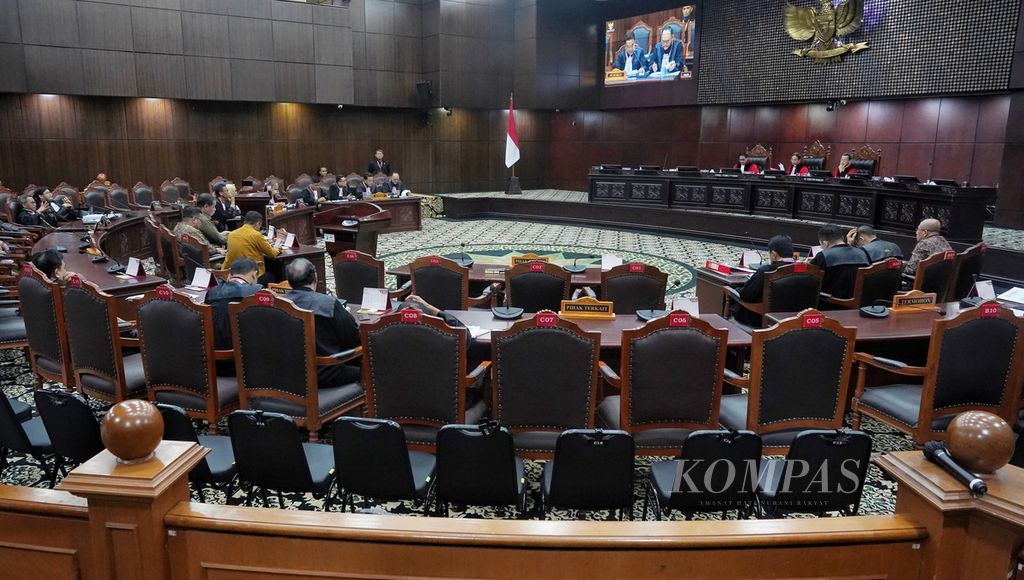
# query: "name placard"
{"type": "Point", "coordinates": [915, 301]}
{"type": "Point", "coordinates": [529, 257]}
{"type": "Point", "coordinates": [587, 308]}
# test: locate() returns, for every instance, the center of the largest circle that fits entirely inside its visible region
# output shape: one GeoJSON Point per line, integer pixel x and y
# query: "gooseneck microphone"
{"type": "Point", "coordinates": [465, 260]}
{"type": "Point", "coordinates": [575, 269]}
{"type": "Point", "coordinates": [935, 452]}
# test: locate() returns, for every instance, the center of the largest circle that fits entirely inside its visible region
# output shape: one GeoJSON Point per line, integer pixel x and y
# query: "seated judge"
{"type": "Point", "coordinates": [248, 242]}
{"type": "Point", "coordinates": [845, 166]}
{"type": "Point", "coordinates": [780, 253]}
{"type": "Point", "coordinates": [379, 165]}
{"type": "Point", "coordinates": [667, 55]}
{"type": "Point", "coordinates": [797, 165]}
{"type": "Point", "coordinates": [240, 283]}
{"type": "Point", "coordinates": [745, 165]}
{"type": "Point", "coordinates": [839, 261]}
{"type": "Point", "coordinates": [225, 212]}
{"type": "Point", "coordinates": [630, 59]}
{"type": "Point", "coordinates": [28, 216]}
{"type": "Point", "coordinates": [336, 329]}
{"type": "Point", "coordinates": [207, 209]}
{"type": "Point", "coordinates": [864, 237]}
{"type": "Point", "coordinates": [929, 243]}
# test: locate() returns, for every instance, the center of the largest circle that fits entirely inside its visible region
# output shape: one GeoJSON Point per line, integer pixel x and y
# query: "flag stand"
{"type": "Point", "coordinates": [512, 188]}
{"type": "Point", "coordinates": [512, 151]}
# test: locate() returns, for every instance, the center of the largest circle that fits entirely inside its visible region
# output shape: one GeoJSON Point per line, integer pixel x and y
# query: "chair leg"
{"type": "Point", "coordinates": [263, 495]}
{"type": "Point", "coordinates": [280, 500]}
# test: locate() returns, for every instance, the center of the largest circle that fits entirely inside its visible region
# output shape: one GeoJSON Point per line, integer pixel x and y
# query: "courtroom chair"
{"type": "Point", "coordinates": [7, 199]}
{"type": "Point", "coordinates": [536, 286]}
{"type": "Point", "coordinates": [816, 156]}
{"type": "Point", "coordinates": [174, 328]}
{"type": "Point", "coordinates": [415, 374]}
{"type": "Point", "coordinates": [119, 198]}
{"type": "Point", "coordinates": [355, 271]}
{"type": "Point", "coordinates": [303, 180]}
{"type": "Point", "coordinates": [372, 461]}
{"type": "Point", "coordinates": [254, 182]}
{"type": "Point", "coordinates": [217, 469]}
{"type": "Point", "coordinates": [97, 186]}
{"type": "Point", "coordinates": [477, 465]}
{"type": "Point", "coordinates": [170, 251]}
{"type": "Point", "coordinates": [759, 155]}
{"type": "Point", "coordinates": [592, 470]}
{"type": "Point", "coordinates": [815, 476]}
{"type": "Point", "coordinates": [99, 365]}
{"type": "Point", "coordinates": [196, 254]}
{"type": "Point", "coordinates": [353, 181]}
{"type": "Point", "coordinates": [295, 192]}
{"type": "Point", "coordinates": [790, 288]}
{"type": "Point", "coordinates": [444, 284]}
{"type": "Point", "coordinates": [33, 189]}
{"type": "Point", "coordinates": [634, 286]}
{"type": "Point", "coordinates": [71, 426]}
{"type": "Point", "coordinates": [267, 330]}
{"type": "Point", "coordinates": [143, 196]}
{"type": "Point", "coordinates": [270, 455]}
{"type": "Point", "coordinates": [671, 382]}
{"type": "Point", "coordinates": [934, 274]}
{"type": "Point", "coordinates": [169, 193]}
{"type": "Point", "coordinates": [543, 359]}
{"type": "Point", "coordinates": [643, 34]}
{"type": "Point", "coordinates": [974, 363]}
{"type": "Point", "coordinates": [28, 438]}
{"type": "Point", "coordinates": [42, 306]}
{"type": "Point", "coordinates": [66, 189]}
{"type": "Point", "coordinates": [867, 160]}
{"type": "Point", "coordinates": [274, 181]}
{"type": "Point", "coordinates": [215, 182]}
{"type": "Point", "coordinates": [967, 267]}
{"type": "Point", "coordinates": [184, 189]}
{"type": "Point", "coordinates": [153, 232]}
{"type": "Point", "coordinates": [709, 487]}
{"type": "Point", "coordinates": [96, 201]}
{"type": "Point", "coordinates": [876, 283]}
{"type": "Point", "coordinates": [799, 379]}
{"type": "Point", "coordinates": [22, 411]}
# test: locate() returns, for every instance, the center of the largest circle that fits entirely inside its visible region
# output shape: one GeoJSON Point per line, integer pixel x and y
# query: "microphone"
{"type": "Point", "coordinates": [575, 269]}
{"type": "Point", "coordinates": [935, 452]}
{"type": "Point", "coordinates": [465, 260]}
{"type": "Point", "coordinates": [654, 311]}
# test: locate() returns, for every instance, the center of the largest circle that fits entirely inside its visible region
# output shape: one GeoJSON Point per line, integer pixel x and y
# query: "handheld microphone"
{"type": "Point", "coordinates": [935, 452]}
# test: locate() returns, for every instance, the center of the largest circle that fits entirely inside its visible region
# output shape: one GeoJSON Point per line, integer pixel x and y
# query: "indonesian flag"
{"type": "Point", "coordinates": [511, 140]}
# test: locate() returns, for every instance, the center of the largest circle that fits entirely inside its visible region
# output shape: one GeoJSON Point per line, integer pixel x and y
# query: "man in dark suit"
{"type": "Point", "coordinates": [379, 165]}
{"type": "Point", "coordinates": [394, 185]}
{"type": "Point", "coordinates": [28, 216]}
{"type": "Point", "coordinates": [780, 253]}
{"type": "Point", "coordinates": [225, 212]}
{"type": "Point", "coordinates": [839, 261]}
{"type": "Point", "coordinates": [865, 238]}
{"type": "Point", "coordinates": [240, 283]}
{"type": "Point", "coordinates": [631, 58]}
{"type": "Point", "coordinates": [336, 330]}
{"type": "Point", "coordinates": [667, 55]}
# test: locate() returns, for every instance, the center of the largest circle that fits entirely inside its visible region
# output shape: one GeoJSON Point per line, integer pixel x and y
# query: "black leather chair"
{"type": "Point", "coordinates": [876, 283]}
{"type": "Point", "coordinates": [22, 411]}
{"type": "Point", "coordinates": [816, 156]}
{"type": "Point", "coordinates": [42, 305]}
{"type": "Point", "coordinates": [789, 288]}
{"type": "Point", "coordinates": [373, 462]}
{"type": "Point", "coordinates": [119, 198]}
{"type": "Point", "coordinates": [96, 201]}
{"type": "Point", "coordinates": [169, 193]}
{"type": "Point", "coordinates": [592, 470]}
{"type": "Point", "coordinates": [536, 286]}
{"type": "Point", "coordinates": [98, 362]}
{"type": "Point", "coordinates": [632, 287]}
{"type": "Point", "coordinates": [355, 271]}
{"type": "Point", "coordinates": [934, 273]}
{"type": "Point", "coordinates": [544, 359]}
{"type": "Point", "coordinates": [173, 328]}
{"type": "Point", "coordinates": [799, 379]}
{"type": "Point", "coordinates": [303, 180]}
{"type": "Point", "coordinates": [966, 269]}
{"type": "Point", "coordinates": [671, 382]}
{"type": "Point", "coordinates": [708, 487]}
{"type": "Point", "coordinates": [295, 193]}
{"type": "Point", "coordinates": [27, 437]}
{"type": "Point", "coordinates": [477, 465]}
{"type": "Point", "coordinates": [143, 196]}
{"type": "Point", "coordinates": [170, 251]}
{"type": "Point", "coordinates": [265, 384]}
{"type": "Point", "coordinates": [974, 363]}
{"type": "Point", "coordinates": [444, 284]}
{"type": "Point", "coordinates": [217, 469]}
{"type": "Point", "coordinates": [270, 455]}
{"type": "Point", "coordinates": [415, 374]}
{"type": "Point", "coordinates": [71, 426]}
{"type": "Point", "coordinates": [815, 476]}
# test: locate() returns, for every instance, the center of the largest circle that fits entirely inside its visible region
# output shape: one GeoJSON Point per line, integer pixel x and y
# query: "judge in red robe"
{"type": "Point", "coordinates": [797, 166]}
{"type": "Point", "coordinates": [845, 167]}
{"type": "Point", "coordinates": [745, 165]}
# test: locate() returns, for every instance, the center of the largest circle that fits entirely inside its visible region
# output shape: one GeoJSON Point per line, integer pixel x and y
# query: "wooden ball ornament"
{"type": "Point", "coordinates": [132, 429]}
{"type": "Point", "coordinates": [979, 441]}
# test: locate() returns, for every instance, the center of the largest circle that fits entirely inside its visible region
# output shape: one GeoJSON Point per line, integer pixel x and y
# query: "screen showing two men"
{"type": "Point", "coordinates": [659, 46]}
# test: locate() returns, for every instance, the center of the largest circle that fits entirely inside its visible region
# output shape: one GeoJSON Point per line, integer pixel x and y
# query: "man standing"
{"type": "Point", "coordinates": [248, 242]}
{"type": "Point", "coordinates": [839, 261]}
{"type": "Point", "coordinates": [630, 59]}
{"type": "Point", "coordinates": [207, 207]}
{"type": "Point", "coordinates": [780, 253]}
{"type": "Point", "coordinates": [865, 238]}
{"type": "Point", "coordinates": [378, 165]}
{"type": "Point", "coordinates": [929, 243]}
{"type": "Point", "coordinates": [667, 55]}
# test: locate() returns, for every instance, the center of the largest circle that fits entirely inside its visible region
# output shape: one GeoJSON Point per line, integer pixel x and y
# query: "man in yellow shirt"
{"type": "Point", "coordinates": [248, 242]}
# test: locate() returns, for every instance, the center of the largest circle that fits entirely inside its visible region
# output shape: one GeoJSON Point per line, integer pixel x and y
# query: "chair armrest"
{"type": "Point", "coordinates": [830, 299]}
{"type": "Point", "coordinates": [340, 357]}
{"type": "Point", "coordinates": [479, 374]}
{"type": "Point", "coordinates": [223, 355]}
{"type": "Point", "coordinates": [609, 375]}
{"type": "Point", "coordinates": [127, 341]}
{"type": "Point", "coordinates": [890, 365]}
{"type": "Point", "coordinates": [734, 379]}
{"type": "Point", "coordinates": [734, 295]}
{"type": "Point", "coordinates": [485, 300]}
{"type": "Point", "coordinates": [402, 292]}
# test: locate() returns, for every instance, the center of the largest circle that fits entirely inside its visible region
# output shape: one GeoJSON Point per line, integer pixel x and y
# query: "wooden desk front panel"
{"type": "Point", "coordinates": [43, 534]}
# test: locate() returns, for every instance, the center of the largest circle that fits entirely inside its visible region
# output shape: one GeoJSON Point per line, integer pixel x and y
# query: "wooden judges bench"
{"type": "Point", "coordinates": [136, 521]}
{"type": "Point", "coordinates": [885, 205]}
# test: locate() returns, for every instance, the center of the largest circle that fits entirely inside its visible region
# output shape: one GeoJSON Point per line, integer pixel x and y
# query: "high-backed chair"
{"type": "Point", "coordinates": [966, 269]}
{"type": "Point", "coordinates": [71, 426]}
{"type": "Point", "coordinates": [42, 306]}
{"type": "Point", "coordinates": [217, 469]}
{"type": "Point", "coordinates": [759, 155]}
{"type": "Point", "coordinates": [215, 182]}
{"type": "Point", "coordinates": [431, 392]}
{"type": "Point", "coordinates": [633, 287]}
{"type": "Point", "coordinates": [526, 371]}
{"type": "Point", "coordinates": [66, 189]}
{"type": "Point", "coordinates": [790, 288]}
{"type": "Point", "coordinates": [866, 160]}
{"type": "Point", "coordinates": [170, 251]}
{"type": "Point", "coordinates": [444, 284]}
{"type": "Point", "coordinates": [816, 474]}
{"type": "Point", "coordinates": [28, 438]}
{"type": "Point", "coordinates": [295, 192]}
{"type": "Point", "coordinates": [799, 379]}
{"type": "Point", "coordinates": [671, 382]}
{"type": "Point", "coordinates": [816, 156]}
{"type": "Point", "coordinates": [303, 180]}
{"type": "Point", "coordinates": [274, 182]}
{"type": "Point", "coordinates": [196, 254]}
{"type": "Point", "coordinates": [592, 470]}
{"type": "Point", "coordinates": [253, 182]}
{"type": "Point", "coordinates": [643, 34]}
{"type": "Point", "coordinates": [143, 196]}
{"type": "Point", "coordinates": [877, 282]}
{"type": "Point", "coordinates": [98, 186]}
{"type": "Point", "coordinates": [974, 363]}
{"type": "Point", "coordinates": [477, 465]}
{"type": "Point", "coordinates": [184, 189]}
{"type": "Point", "coordinates": [354, 271]}
{"type": "Point", "coordinates": [536, 286]}
{"type": "Point", "coordinates": [267, 330]}
{"type": "Point", "coordinates": [119, 198]}
{"type": "Point", "coordinates": [934, 273]}
{"type": "Point", "coordinates": [708, 458]}
{"type": "Point", "coordinates": [174, 328]}
{"type": "Point", "coordinates": [169, 193]}
{"type": "Point", "coordinates": [99, 365]}
{"type": "Point", "coordinates": [153, 233]}
{"type": "Point", "coordinates": [96, 200]}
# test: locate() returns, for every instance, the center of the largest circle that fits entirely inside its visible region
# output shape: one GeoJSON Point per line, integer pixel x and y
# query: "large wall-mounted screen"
{"type": "Point", "coordinates": [660, 46]}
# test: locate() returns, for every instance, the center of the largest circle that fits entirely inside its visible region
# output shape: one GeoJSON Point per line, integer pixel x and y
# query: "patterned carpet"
{"type": "Point", "coordinates": [495, 240]}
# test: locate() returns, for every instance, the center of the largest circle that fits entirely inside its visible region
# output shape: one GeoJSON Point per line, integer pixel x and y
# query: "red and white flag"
{"type": "Point", "coordinates": [511, 140]}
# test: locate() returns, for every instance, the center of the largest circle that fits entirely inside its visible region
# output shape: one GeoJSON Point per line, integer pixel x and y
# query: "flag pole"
{"type": "Point", "coordinates": [512, 148]}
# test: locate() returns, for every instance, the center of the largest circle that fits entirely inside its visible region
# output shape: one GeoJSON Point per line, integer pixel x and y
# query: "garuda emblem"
{"type": "Point", "coordinates": [826, 26]}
